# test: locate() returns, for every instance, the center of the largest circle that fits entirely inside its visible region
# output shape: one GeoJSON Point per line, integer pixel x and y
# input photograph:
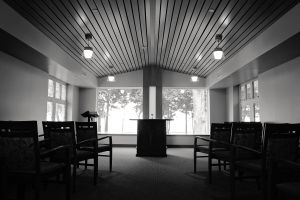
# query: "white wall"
{"type": "Point", "coordinates": [23, 91]}
{"type": "Point", "coordinates": [87, 101]}
{"type": "Point", "coordinates": [232, 104]}
{"type": "Point", "coordinates": [175, 79]}
{"type": "Point", "coordinates": [72, 103]}
{"type": "Point", "coordinates": [218, 109]}
{"type": "Point", "coordinates": [279, 90]}
{"type": "Point", "coordinates": [130, 79]}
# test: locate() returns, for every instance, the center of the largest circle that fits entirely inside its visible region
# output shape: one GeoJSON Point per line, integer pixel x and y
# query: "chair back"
{"type": "Point", "coordinates": [86, 130]}
{"type": "Point", "coordinates": [60, 133]}
{"type": "Point", "coordinates": [282, 141]}
{"type": "Point", "coordinates": [248, 134]}
{"type": "Point", "coordinates": [19, 145]}
{"type": "Point", "coordinates": [220, 132]}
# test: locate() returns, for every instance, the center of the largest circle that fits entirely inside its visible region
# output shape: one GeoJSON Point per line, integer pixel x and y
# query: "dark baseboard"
{"type": "Point", "coordinates": [168, 146]}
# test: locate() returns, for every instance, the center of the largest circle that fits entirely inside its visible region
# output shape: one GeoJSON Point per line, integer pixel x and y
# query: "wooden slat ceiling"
{"type": "Point", "coordinates": [176, 35]}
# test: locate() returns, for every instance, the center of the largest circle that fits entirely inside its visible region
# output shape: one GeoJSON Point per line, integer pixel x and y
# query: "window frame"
{"type": "Point", "coordinates": [55, 100]}
{"type": "Point", "coordinates": [252, 101]}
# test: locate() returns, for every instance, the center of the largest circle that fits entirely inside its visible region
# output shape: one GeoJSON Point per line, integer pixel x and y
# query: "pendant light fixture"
{"type": "Point", "coordinates": [88, 51]}
{"type": "Point", "coordinates": [218, 52]}
{"type": "Point", "coordinates": [111, 78]}
{"type": "Point", "coordinates": [194, 78]}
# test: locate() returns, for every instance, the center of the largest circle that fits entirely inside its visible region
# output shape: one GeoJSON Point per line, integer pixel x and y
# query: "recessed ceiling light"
{"type": "Point", "coordinates": [198, 56]}
{"type": "Point", "coordinates": [95, 10]}
{"type": "Point", "coordinates": [194, 78]}
{"type": "Point", "coordinates": [111, 66]}
{"type": "Point", "coordinates": [106, 55]}
{"type": "Point", "coordinates": [211, 10]}
{"type": "Point", "coordinates": [111, 78]}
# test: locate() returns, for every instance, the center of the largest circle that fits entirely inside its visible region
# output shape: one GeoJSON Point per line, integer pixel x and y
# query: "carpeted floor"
{"type": "Point", "coordinates": [151, 178]}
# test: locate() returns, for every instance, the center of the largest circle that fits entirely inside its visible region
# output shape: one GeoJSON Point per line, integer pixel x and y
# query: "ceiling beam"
{"type": "Point", "coordinates": [60, 64]}
{"type": "Point", "coordinates": [283, 29]}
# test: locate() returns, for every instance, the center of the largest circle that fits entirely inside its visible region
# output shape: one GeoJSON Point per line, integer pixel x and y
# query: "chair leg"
{"type": "Point", "coordinates": [219, 165]}
{"type": "Point", "coordinates": [224, 163]}
{"type": "Point", "coordinates": [209, 168]}
{"type": "Point", "coordinates": [20, 192]}
{"type": "Point", "coordinates": [95, 169]}
{"type": "Point", "coordinates": [85, 164]}
{"type": "Point", "coordinates": [67, 177]}
{"type": "Point", "coordinates": [110, 160]}
{"type": "Point", "coordinates": [232, 182]}
{"type": "Point", "coordinates": [195, 161]}
{"type": "Point", "coordinates": [37, 189]}
{"type": "Point", "coordinates": [74, 176]}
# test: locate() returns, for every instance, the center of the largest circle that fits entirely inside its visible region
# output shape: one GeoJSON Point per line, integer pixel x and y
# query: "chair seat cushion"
{"type": "Point", "coordinates": [205, 149]}
{"type": "Point", "coordinates": [253, 165]}
{"type": "Point", "coordinates": [101, 148]}
{"type": "Point", "coordinates": [226, 155]}
{"type": "Point", "coordinates": [83, 155]}
{"type": "Point", "coordinates": [48, 167]}
{"type": "Point", "coordinates": [290, 188]}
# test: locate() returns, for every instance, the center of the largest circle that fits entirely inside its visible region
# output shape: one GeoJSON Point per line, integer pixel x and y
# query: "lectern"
{"type": "Point", "coordinates": [90, 115]}
{"type": "Point", "coordinates": [151, 137]}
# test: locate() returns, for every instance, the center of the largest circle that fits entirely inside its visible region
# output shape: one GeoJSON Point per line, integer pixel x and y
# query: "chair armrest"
{"type": "Point", "coordinates": [42, 135]}
{"type": "Point", "coordinates": [288, 163]}
{"type": "Point", "coordinates": [44, 142]}
{"type": "Point", "coordinates": [93, 140]}
{"type": "Point", "coordinates": [197, 138]}
{"type": "Point", "coordinates": [235, 146]}
{"type": "Point", "coordinates": [106, 137]}
{"type": "Point", "coordinates": [49, 152]}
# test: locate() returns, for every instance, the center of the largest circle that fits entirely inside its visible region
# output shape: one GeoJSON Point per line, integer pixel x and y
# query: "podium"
{"type": "Point", "coordinates": [90, 115]}
{"type": "Point", "coordinates": [151, 137]}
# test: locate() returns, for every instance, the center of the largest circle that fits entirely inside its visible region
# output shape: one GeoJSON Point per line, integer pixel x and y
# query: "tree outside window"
{"type": "Point", "coordinates": [188, 108]}
{"type": "Point", "coordinates": [119, 105]}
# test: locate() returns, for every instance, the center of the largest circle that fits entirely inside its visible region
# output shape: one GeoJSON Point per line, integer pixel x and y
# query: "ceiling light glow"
{"type": "Point", "coordinates": [111, 79]}
{"type": "Point", "coordinates": [194, 78]}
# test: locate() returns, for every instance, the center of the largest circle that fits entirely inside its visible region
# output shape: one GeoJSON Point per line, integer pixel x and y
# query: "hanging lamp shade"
{"type": "Point", "coordinates": [88, 52]}
{"type": "Point", "coordinates": [111, 78]}
{"type": "Point", "coordinates": [194, 78]}
{"type": "Point", "coordinates": [218, 53]}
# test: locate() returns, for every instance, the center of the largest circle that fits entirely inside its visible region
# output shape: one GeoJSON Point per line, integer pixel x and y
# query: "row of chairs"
{"type": "Point", "coordinates": [31, 158]}
{"type": "Point", "coordinates": [266, 152]}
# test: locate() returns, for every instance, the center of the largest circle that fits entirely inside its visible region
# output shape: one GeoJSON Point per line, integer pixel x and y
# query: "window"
{"type": "Point", "coordinates": [249, 102]}
{"type": "Point", "coordinates": [119, 105]}
{"type": "Point", "coordinates": [189, 110]}
{"type": "Point", "coordinates": [56, 104]}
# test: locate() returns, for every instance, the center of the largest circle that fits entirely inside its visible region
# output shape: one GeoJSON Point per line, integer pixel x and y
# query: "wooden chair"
{"type": "Point", "coordinates": [87, 131]}
{"type": "Point", "coordinates": [3, 179]}
{"type": "Point", "coordinates": [288, 188]}
{"type": "Point", "coordinates": [63, 133]}
{"type": "Point", "coordinates": [219, 132]}
{"type": "Point", "coordinates": [23, 161]}
{"type": "Point", "coordinates": [256, 166]}
{"type": "Point", "coordinates": [242, 133]}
